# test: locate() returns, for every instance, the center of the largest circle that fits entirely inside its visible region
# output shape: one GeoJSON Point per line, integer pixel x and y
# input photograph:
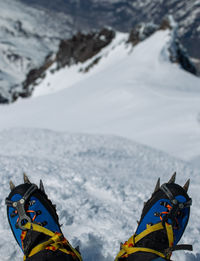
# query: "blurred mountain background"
{"type": "Point", "coordinates": [123, 15]}
{"type": "Point", "coordinates": [31, 31]}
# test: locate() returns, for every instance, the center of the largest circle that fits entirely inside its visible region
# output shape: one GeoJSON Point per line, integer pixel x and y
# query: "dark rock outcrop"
{"type": "Point", "coordinates": [124, 15]}
{"type": "Point", "coordinates": [82, 47]}
{"type": "Point", "coordinates": [3, 100]}
{"type": "Point", "coordinates": [34, 75]}
{"type": "Point", "coordinates": [141, 32]}
{"type": "Point", "coordinates": [166, 24]}
{"type": "Point", "coordinates": [179, 55]}
{"type": "Point", "coordinates": [79, 48]}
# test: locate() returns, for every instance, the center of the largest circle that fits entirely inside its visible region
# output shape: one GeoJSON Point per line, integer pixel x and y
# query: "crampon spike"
{"type": "Point", "coordinates": [77, 248]}
{"type": "Point", "coordinates": [12, 186]}
{"type": "Point", "coordinates": [172, 179]}
{"type": "Point", "coordinates": [186, 186]}
{"type": "Point", "coordinates": [157, 185]}
{"type": "Point", "coordinates": [26, 179]}
{"type": "Point", "coordinates": [42, 186]}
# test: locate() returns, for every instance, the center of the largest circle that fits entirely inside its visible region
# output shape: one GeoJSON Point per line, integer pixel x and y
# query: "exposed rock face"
{"type": "Point", "coordinates": [34, 75]}
{"type": "Point", "coordinates": [27, 36]}
{"type": "Point", "coordinates": [3, 100]}
{"type": "Point", "coordinates": [124, 15]}
{"type": "Point", "coordinates": [79, 48]}
{"type": "Point", "coordinates": [144, 30]}
{"type": "Point", "coordinates": [178, 54]}
{"type": "Point", "coordinates": [141, 32]}
{"type": "Point", "coordinates": [82, 47]}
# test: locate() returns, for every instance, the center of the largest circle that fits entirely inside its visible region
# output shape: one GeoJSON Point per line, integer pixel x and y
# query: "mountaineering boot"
{"type": "Point", "coordinates": [163, 221]}
{"type": "Point", "coordinates": [35, 226]}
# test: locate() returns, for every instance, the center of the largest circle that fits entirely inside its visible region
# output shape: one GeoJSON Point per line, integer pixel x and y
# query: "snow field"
{"type": "Point", "coordinates": [99, 184]}
{"type": "Point", "coordinates": [136, 94]}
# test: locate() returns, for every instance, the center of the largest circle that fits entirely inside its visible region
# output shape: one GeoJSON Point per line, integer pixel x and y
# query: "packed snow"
{"type": "Point", "coordinates": [99, 184]}
{"type": "Point", "coordinates": [69, 137]}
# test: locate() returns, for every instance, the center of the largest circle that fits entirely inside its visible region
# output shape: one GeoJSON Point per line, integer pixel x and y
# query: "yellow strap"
{"type": "Point", "coordinates": [147, 231]}
{"type": "Point", "coordinates": [49, 243]}
{"type": "Point", "coordinates": [73, 251]}
{"type": "Point", "coordinates": [170, 234]}
{"type": "Point", "coordinates": [128, 248]}
{"type": "Point", "coordinates": [134, 239]}
{"type": "Point", "coordinates": [121, 253]}
{"type": "Point", "coordinates": [132, 250]}
{"type": "Point", "coordinates": [55, 241]}
{"type": "Point", "coordinates": [131, 241]}
{"type": "Point", "coordinates": [38, 228]}
{"type": "Point", "coordinates": [40, 247]}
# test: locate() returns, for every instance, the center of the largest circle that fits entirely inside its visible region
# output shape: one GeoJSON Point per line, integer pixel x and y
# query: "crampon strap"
{"type": "Point", "coordinates": [56, 242]}
{"type": "Point", "coordinates": [20, 206]}
{"type": "Point", "coordinates": [176, 206]}
{"type": "Point", "coordinates": [129, 247]}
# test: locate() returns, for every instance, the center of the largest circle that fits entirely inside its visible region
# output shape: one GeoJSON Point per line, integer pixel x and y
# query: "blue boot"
{"type": "Point", "coordinates": [34, 221]}
{"type": "Point", "coordinates": [163, 221]}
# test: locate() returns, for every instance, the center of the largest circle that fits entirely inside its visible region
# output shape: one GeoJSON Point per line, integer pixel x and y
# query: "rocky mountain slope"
{"type": "Point", "coordinates": [82, 47]}
{"type": "Point", "coordinates": [124, 14]}
{"type": "Point", "coordinates": [27, 36]}
{"type": "Point", "coordinates": [31, 34]}
{"type": "Point", "coordinates": [86, 49]}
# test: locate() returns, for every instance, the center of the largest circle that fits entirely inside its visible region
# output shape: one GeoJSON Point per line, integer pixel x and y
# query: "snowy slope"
{"type": "Point", "coordinates": [99, 184]}
{"type": "Point", "coordinates": [135, 93]}
{"type": "Point", "coordinates": [27, 36]}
